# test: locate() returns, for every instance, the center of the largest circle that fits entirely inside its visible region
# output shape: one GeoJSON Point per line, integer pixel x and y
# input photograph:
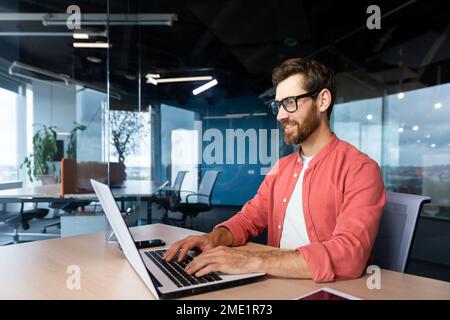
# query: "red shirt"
{"type": "Point", "coordinates": [343, 199]}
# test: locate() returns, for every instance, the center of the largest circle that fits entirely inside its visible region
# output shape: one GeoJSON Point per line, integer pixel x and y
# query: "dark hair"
{"type": "Point", "coordinates": [316, 76]}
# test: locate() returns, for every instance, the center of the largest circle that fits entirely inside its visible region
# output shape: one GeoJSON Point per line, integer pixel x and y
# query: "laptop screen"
{"type": "Point", "coordinates": [122, 233]}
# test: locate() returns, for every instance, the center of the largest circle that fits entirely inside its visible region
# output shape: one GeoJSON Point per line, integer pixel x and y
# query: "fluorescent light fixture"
{"type": "Point", "coordinates": [428, 136]}
{"type": "Point", "coordinates": [369, 117]}
{"type": "Point", "coordinates": [401, 95]}
{"type": "Point", "coordinates": [415, 128]}
{"type": "Point", "coordinates": [433, 145]}
{"type": "Point", "coordinates": [214, 117]}
{"type": "Point", "coordinates": [418, 141]}
{"type": "Point", "coordinates": [93, 59]}
{"type": "Point", "coordinates": [400, 130]}
{"type": "Point", "coordinates": [102, 45]}
{"type": "Point", "coordinates": [184, 79]}
{"type": "Point", "coordinates": [229, 116]}
{"type": "Point", "coordinates": [237, 115]}
{"type": "Point", "coordinates": [259, 114]}
{"type": "Point", "coordinates": [438, 105]}
{"type": "Point", "coordinates": [204, 87]}
{"type": "Point", "coordinates": [151, 80]}
{"type": "Point", "coordinates": [153, 75]}
{"type": "Point", "coordinates": [83, 36]}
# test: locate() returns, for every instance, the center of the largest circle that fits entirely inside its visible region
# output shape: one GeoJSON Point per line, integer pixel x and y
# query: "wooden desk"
{"type": "Point", "coordinates": [37, 270]}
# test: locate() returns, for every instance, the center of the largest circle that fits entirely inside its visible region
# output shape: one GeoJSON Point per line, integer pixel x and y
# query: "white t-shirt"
{"type": "Point", "coordinates": [294, 233]}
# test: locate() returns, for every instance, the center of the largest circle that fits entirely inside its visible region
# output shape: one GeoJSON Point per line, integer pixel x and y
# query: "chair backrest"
{"type": "Point", "coordinates": [207, 185]}
{"type": "Point", "coordinates": [178, 181]}
{"type": "Point", "coordinates": [396, 230]}
{"type": "Point", "coordinates": [175, 197]}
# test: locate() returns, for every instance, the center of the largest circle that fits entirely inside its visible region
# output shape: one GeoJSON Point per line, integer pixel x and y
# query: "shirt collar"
{"type": "Point", "coordinates": [324, 152]}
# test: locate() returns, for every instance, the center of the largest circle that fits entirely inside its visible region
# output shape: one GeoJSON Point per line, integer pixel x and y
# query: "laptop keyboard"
{"type": "Point", "coordinates": [175, 270]}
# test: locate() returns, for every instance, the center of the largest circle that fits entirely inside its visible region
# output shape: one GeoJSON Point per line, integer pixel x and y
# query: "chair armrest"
{"type": "Point", "coordinates": [199, 195]}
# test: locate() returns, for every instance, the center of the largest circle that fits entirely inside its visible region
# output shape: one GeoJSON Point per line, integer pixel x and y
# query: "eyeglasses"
{"type": "Point", "coordinates": [290, 103]}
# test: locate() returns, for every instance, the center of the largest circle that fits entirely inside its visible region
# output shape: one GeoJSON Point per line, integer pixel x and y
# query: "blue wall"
{"type": "Point", "coordinates": [237, 183]}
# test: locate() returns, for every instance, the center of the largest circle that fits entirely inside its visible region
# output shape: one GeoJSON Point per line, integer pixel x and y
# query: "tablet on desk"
{"type": "Point", "coordinates": [327, 294]}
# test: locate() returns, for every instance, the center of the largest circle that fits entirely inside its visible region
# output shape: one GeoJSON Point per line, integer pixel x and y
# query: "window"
{"type": "Point", "coordinates": [408, 135]}
{"type": "Point", "coordinates": [8, 131]}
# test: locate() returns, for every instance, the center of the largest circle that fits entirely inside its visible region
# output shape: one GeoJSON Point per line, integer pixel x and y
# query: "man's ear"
{"type": "Point", "coordinates": [324, 100]}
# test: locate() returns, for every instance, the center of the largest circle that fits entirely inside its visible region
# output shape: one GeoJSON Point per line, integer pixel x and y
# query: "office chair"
{"type": "Point", "coordinates": [21, 218]}
{"type": "Point", "coordinates": [67, 206]}
{"type": "Point", "coordinates": [396, 230]}
{"type": "Point", "coordinates": [196, 202]}
{"type": "Point", "coordinates": [167, 199]}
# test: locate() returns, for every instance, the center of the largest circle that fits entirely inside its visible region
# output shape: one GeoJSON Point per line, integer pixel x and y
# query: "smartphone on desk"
{"type": "Point", "coordinates": [148, 244]}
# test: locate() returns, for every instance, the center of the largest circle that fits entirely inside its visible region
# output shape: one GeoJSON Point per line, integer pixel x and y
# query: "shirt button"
{"type": "Point", "coordinates": [279, 226]}
{"type": "Point", "coordinates": [298, 160]}
{"type": "Point", "coordinates": [284, 200]}
{"type": "Point", "coordinates": [295, 175]}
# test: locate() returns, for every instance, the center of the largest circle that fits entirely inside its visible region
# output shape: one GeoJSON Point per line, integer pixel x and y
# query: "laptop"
{"type": "Point", "coordinates": [165, 280]}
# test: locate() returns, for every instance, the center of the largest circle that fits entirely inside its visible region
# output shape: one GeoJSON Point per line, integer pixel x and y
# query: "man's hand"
{"type": "Point", "coordinates": [220, 236]}
{"type": "Point", "coordinates": [224, 259]}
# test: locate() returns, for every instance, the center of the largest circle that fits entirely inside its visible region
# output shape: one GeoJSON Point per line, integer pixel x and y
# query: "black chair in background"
{"type": "Point", "coordinates": [166, 198]}
{"type": "Point", "coordinates": [21, 218]}
{"type": "Point", "coordinates": [196, 202]}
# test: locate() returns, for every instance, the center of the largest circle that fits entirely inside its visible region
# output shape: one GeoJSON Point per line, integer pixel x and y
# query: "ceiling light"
{"type": "Point", "coordinates": [418, 141]}
{"type": "Point", "coordinates": [400, 130]}
{"type": "Point", "coordinates": [401, 95]}
{"type": "Point", "coordinates": [369, 117]}
{"type": "Point", "coordinates": [93, 59]}
{"type": "Point", "coordinates": [290, 42]}
{"type": "Point", "coordinates": [415, 128]}
{"type": "Point", "coordinates": [428, 136]}
{"type": "Point", "coordinates": [184, 79]}
{"type": "Point", "coordinates": [259, 114]}
{"type": "Point", "coordinates": [151, 80]}
{"type": "Point", "coordinates": [130, 77]}
{"type": "Point", "coordinates": [237, 115]}
{"type": "Point", "coordinates": [83, 36]}
{"type": "Point", "coordinates": [204, 87]}
{"type": "Point", "coordinates": [433, 145]}
{"type": "Point", "coordinates": [102, 45]}
{"type": "Point", "coordinates": [438, 105]}
{"type": "Point", "coordinates": [153, 75]}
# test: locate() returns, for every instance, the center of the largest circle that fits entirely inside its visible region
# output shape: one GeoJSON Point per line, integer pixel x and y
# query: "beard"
{"type": "Point", "coordinates": [305, 129]}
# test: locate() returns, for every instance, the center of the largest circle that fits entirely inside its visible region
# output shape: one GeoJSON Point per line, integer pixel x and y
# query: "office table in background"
{"type": "Point", "coordinates": [42, 270]}
{"type": "Point", "coordinates": [131, 190]}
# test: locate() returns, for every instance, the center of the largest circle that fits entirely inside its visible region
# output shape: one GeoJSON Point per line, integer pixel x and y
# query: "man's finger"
{"type": "Point", "coordinates": [208, 269]}
{"type": "Point", "coordinates": [182, 252]}
{"type": "Point", "coordinates": [172, 251]}
{"type": "Point", "coordinates": [200, 262]}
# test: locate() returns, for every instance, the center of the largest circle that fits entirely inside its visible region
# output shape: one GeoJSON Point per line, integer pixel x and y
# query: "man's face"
{"type": "Point", "coordinates": [299, 125]}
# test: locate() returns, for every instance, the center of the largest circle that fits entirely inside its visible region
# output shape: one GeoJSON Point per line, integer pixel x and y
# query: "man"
{"type": "Point", "coordinates": [322, 205]}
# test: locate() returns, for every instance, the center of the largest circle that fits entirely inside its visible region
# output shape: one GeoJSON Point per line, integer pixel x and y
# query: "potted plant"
{"type": "Point", "coordinates": [72, 146]}
{"type": "Point", "coordinates": [40, 162]}
{"type": "Point", "coordinates": [125, 128]}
